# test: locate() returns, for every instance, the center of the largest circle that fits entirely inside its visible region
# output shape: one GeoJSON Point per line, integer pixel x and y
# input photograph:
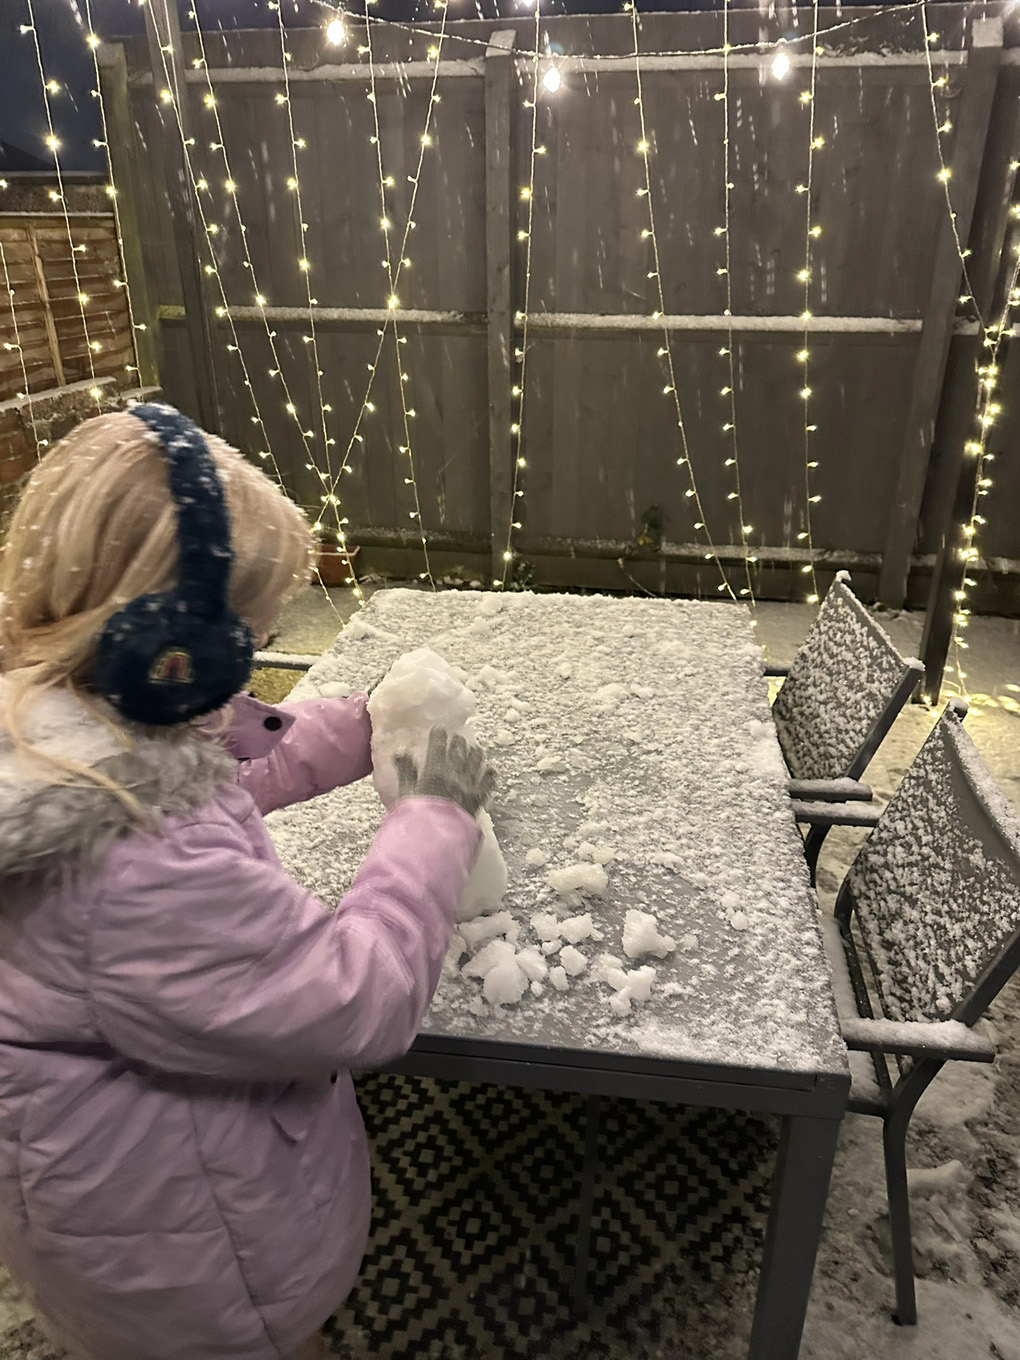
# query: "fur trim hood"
{"type": "Point", "coordinates": [51, 820]}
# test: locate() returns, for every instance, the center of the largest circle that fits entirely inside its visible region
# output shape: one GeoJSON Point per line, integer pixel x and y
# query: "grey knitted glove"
{"type": "Point", "coordinates": [451, 769]}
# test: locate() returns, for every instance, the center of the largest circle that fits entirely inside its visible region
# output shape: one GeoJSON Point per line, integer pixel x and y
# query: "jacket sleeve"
{"type": "Point", "coordinates": [329, 744]}
{"type": "Point", "coordinates": [209, 962]}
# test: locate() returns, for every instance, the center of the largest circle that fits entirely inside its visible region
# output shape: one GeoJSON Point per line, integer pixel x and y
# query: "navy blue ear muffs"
{"type": "Point", "coordinates": [178, 653]}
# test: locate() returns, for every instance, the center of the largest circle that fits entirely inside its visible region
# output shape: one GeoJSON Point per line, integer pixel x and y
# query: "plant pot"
{"type": "Point", "coordinates": [333, 564]}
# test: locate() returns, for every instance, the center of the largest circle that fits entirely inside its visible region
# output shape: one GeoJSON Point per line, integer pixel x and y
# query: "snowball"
{"type": "Point", "coordinates": [495, 953]}
{"type": "Point", "coordinates": [739, 920]}
{"type": "Point", "coordinates": [485, 927]}
{"type": "Point", "coordinates": [577, 928]}
{"type": "Point", "coordinates": [564, 670]}
{"type": "Point", "coordinates": [545, 925]}
{"type": "Point", "coordinates": [550, 946]}
{"type": "Point", "coordinates": [490, 677]}
{"type": "Point", "coordinates": [602, 966]}
{"type": "Point", "coordinates": [629, 987]}
{"type": "Point", "coordinates": [601, 854]}
{"type": "Point", "coordinates": [608, 697]}
{"type": "Point", "coordinates": [641, 936]}
{"type": "Point", "coordinates": [504, 984]}
{"type": "Point", "coordinates": [551, 765]}
{"type": "Point", "coordinates": [640, 980]}
{"type": "Point", "coordinates": [585, 878]}
{"type": "Point", "coordinates": [558, 978]}
{"type": "Point", "coordinates": [573, 960]}
{"type": "Point", "coordinates": [332, 689]}
{"type": "Point", "coordinates": [642, 691]}
{"type": "Point", "coordinates": [536, 857]}
{"type": "Point", "coordinates": [458, 945]}
{"type": "Point", "coordinates": [532, 963]}
{"type": "Point", "coordinates": [419, 691]}
{"type": "Point", "coordinates": [504, 738]}
{"type": "Point", "coordinates": [359, 629]}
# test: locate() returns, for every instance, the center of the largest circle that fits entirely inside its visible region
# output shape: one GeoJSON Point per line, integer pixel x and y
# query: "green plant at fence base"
{"type": "Point", "coordinates": [523, 575]}
{"type": "Point", "coordinates": [649, 538]}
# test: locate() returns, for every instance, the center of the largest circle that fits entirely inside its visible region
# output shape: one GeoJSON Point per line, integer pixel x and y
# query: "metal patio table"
{"type": "Point", "coordinates": [635, 734]}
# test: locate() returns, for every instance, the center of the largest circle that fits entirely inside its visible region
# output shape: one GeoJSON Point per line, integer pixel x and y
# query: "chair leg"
{"type": "Point", "coordinates": [894, 1136]}
{"type": "Point", "coordinates": [812, 848]}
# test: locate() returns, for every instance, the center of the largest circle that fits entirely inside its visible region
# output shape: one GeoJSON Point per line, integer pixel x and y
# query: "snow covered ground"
{"type": "Point", "coordinates": [965, 1136]}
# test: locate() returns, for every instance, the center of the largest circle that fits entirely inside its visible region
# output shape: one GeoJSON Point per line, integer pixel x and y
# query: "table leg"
{"type": "Point", "coordinates": [803, 1167]}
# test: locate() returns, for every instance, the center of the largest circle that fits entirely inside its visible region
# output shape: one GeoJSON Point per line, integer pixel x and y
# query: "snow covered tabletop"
{"type": "Point", "coordinates": [658, 900]}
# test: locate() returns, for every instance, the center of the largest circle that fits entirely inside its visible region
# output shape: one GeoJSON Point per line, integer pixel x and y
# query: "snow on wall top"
{"type": "Point", "coordinates": [840, 682]}
{"type": "Point", "coordinates": [936, 884]}
{"type": "Point", "coordinates": [639, 772]}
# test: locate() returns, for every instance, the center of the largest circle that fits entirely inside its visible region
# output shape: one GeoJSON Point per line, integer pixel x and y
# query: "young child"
{"type": "Point", "coordinates": [183, 1168]}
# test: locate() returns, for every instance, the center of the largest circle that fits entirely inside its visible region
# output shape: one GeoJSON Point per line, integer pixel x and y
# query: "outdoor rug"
{"type": "Point", "coordinates": [476, 1194]}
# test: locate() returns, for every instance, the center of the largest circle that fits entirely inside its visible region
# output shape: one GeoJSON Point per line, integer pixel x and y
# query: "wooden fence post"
{"type": "Point", "coordinates": [498, 87]}
{"type": "Point", "coordinates": [188, 241]}
{"type": "Point", "coordinates": [125, 167]}
{"type": "Point", "coordinates": [52, 339]}
{"type": "Point", "coordinates": [980, 75]}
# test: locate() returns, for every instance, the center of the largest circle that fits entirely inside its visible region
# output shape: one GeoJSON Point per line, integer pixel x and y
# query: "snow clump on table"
{"type": "Point", "coordinates": [421, 691]}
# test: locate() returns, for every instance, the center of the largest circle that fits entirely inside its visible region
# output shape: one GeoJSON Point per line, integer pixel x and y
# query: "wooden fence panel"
{"type": "Point", "coordinates": [599, 433]}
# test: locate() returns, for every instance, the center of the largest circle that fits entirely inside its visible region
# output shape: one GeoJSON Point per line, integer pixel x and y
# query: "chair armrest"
{"type": "Point", "coordinates": [830, 790]}
{"type": "Point", "coordinates": [285, 661]}
{"type": "Point", "coordinates": [782, 671]}
{"type": "Point", "coordinates": [834, 814]}
{"type": "Point", "coordinates": [916, 1039]}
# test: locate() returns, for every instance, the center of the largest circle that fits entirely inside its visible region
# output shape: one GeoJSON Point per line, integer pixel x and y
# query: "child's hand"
{"type": "Point", "coordinates": [452, 769]}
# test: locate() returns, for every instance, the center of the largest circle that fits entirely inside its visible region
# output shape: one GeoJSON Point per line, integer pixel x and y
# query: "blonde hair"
{"type": "Point", "coordinates": [96, 526]}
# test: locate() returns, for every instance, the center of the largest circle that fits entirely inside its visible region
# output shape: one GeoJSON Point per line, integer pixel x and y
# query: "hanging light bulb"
{"type": "Point", "coordinates": [335, 31]}
{"type": "Point", "coordinates": [780, 65]}
{"type": "Point", "coordinates": [552, 80]}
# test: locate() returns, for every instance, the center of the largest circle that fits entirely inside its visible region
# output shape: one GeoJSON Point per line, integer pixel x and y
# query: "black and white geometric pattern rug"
{"type": "Point", "coordinates": [476, 1192]}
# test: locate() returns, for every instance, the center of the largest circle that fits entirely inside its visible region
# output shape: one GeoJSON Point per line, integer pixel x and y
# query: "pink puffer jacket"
{"type": "Point", "coordinates": [183, 1168]}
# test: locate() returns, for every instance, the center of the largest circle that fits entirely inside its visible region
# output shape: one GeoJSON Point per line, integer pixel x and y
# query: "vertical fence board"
{"type": "Point", "coordinates": [975, 110]}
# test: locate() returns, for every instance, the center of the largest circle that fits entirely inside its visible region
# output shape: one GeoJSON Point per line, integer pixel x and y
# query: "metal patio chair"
{"type": "Point", "coordinates": [929, 921]}
{"type": "Point", "coordinates": [838, 700]}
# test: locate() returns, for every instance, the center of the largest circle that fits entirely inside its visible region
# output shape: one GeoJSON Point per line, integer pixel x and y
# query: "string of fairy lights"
{"type": "Point", "coordinates": [230, 185]}
{"type": "Point", "coordinates": [17, 346]}
{"type": "Point", "coordinates": [393, 274]}
{"type": "Point", "coordinates": [730, 426]}
{"type": "Point", "coordinates": [170, 97]}
{"type": "Point", "coordinates": [988, 408]}
{"type": "Point", "coordinates": [988, 365]}
{"type": "Point", "coordinates": [407, 413]}
{"type": "Point", "coordinates": [329, 477]}
{"type": "Point", "coordinates": [519, 367]}
{"type": "Point", "coordinates": [92, 42]}
{"type": "Point", "coordinates": [665, 351]}
{"type": "Point", "coordinates": [811, 231]}
{"type": "Point", "coordinates": [50, 88]}
{"type": "Point", "coordinates": [304, 268]}
{"type": "Point", "coordinates": [942, 129]}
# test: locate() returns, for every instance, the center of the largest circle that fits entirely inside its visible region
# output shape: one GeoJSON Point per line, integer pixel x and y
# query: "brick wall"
{"type": "Point", "coordinates": [49, 416]}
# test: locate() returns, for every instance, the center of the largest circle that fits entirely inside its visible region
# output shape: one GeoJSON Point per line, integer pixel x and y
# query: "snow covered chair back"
{"type": "Point", "coordinates": [843, 691]}
{"type": "Point", "coordinates": [929, 919]}
{"type": "Point", "coordinates": [935, 889]}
